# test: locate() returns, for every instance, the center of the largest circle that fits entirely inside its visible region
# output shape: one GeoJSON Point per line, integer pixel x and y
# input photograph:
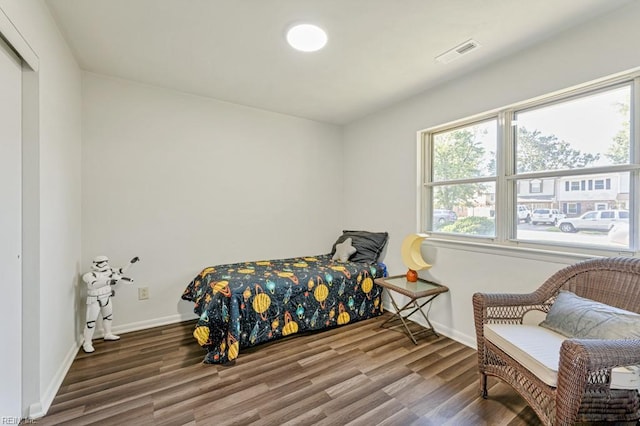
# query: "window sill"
{"type": "Point", "coordinates": [525, 250]}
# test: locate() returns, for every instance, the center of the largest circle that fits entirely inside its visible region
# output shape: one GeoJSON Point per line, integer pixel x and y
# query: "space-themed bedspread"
{"type": "Point", "coordinates": [245, 304]}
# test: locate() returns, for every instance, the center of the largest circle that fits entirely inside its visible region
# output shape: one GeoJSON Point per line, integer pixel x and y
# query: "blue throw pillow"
{"type": "Point", "coordinates": [575, 316]}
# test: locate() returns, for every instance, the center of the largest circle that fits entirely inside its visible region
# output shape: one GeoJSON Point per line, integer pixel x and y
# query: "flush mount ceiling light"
{"type": "Point", "coordinates": [306, 37]}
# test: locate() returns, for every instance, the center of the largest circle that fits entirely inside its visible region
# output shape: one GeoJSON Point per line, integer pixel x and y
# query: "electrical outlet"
{"type": "Point", "coordinates": [143, 293]}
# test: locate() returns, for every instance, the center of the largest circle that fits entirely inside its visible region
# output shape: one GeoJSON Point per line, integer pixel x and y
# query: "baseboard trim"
{"type": "Point", "coordinates": [441, 329]}
{"type": "Point", "coordinates": [35, 411]}
{"type": "Point", "coordinates": [39, 409]}
{"type": "Point", "coordinates": [453, 334]}
{"type": "Point", "coordinates": [143, 325]}
{"type": "Point", "coordinates": [156, 322]}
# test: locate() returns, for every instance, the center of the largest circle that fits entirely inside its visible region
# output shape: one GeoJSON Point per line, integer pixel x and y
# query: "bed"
{"type": "Point", "coordinates": [244, 304]}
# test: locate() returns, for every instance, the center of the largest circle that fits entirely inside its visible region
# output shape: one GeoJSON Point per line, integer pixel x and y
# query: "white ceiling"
{"type": "Point", "coordinates": [379, 51]}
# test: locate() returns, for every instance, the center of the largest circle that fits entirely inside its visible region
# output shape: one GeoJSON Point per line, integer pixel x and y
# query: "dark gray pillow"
{"type": "Point", "coordinates": [575, 316]}
{"type": "Point", "coordinates": [368, 245]}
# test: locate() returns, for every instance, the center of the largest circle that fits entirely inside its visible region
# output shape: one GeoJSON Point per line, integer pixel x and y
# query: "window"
{"type": "Point", "coordinates": [601, 206]}
{"type": "Point", "coordinates": [571, 152]}
{"type": "Point", "coordinates": [463, 177]}
{"type": "Point", "coordinates": [535, 186]}
{"type": "Point", "coordinates": [572, 208]}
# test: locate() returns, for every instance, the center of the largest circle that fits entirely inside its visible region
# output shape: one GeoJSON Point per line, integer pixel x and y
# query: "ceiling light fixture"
{"type": "Point", "coordinates": [307, 37]}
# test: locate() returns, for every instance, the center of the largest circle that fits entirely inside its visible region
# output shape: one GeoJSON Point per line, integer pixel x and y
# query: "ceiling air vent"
{"type": "Point", "coordinates": [456, 52]}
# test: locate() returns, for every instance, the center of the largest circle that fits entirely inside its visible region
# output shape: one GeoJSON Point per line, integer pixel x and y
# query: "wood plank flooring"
{"type": "Point", "coordinates": [359, 374]}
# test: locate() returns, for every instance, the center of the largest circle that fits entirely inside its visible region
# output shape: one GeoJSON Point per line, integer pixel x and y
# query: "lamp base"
{"type": "Point", "coordinates": [412, 276]}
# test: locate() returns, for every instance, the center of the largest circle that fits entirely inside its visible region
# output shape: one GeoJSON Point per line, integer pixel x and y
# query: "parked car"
{"type": "Point", "coordinates": [599, 220]}
{"type": "Point", "coordinates": [524, 214]}
{"type": "Point", "coordinates": [551, 216]}
{"type": "Point", "coordinates": [442, 216]}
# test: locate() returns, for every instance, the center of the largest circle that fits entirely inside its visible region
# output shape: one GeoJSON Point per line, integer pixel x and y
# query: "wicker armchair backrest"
{"type": "Point", "coordinates": [614, 281]}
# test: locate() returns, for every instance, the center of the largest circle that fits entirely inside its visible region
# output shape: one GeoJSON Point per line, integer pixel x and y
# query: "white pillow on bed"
{"type": "Point", "coordinates": [344, 250]}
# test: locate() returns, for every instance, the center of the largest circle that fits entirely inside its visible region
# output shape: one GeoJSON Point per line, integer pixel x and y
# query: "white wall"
{"type": "Point", "coordinates": [10, 229]}
{"type": "Point", "coordinates": [49, 304]}
{"type": "Point", "coordinates": [597, 49]}
{"type": "Point", "coordinates": [185, 182]}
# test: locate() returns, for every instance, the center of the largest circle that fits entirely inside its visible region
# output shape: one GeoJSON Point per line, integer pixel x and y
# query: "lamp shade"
{"type": "Point", "coordinates": [412, 254]}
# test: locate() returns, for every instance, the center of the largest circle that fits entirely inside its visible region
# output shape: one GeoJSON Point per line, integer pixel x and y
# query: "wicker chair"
{"type": "Point", "coordinates": [582, 393]}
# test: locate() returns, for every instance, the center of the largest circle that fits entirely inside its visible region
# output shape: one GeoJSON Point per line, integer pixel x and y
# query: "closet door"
{"type": "Point", "coordinates": [10, 233]}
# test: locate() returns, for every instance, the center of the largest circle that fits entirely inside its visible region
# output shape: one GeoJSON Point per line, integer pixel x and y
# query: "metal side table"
{"type": "Point", "coordinates": [414, 291]}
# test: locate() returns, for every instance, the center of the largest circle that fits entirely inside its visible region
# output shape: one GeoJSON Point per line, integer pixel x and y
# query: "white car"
{"type": "Point", "coordinates": [599, 220]}
{"type": "Point", "coordinates": [551, 216]}
{"type": "Point", "coordinates": [524, 214]}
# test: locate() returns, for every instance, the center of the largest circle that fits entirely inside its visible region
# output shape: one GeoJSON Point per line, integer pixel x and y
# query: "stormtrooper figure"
{"type": "Point", "coordinates": [99, 292]}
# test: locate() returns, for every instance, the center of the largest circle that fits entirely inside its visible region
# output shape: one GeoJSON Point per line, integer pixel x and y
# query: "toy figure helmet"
{"type": "Point", "coordinates": [100, 263]}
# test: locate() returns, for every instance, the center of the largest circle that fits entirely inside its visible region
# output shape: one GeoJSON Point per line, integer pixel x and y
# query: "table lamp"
{"type": "Point", "coordinates": [412, 256]}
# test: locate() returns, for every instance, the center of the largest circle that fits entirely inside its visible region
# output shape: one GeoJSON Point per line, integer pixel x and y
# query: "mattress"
{"type": "Point", "coordinates": [246, 304]}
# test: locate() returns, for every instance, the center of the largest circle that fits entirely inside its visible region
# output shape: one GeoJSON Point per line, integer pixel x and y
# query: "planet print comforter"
{"type": "Point", "coordinates": [245, 304]}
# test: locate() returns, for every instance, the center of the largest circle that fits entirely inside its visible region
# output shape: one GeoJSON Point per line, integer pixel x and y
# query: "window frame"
{"type": "Point", "coordinates": [507, 180]}
{"type": "Point", "coordinates": [427, 170]}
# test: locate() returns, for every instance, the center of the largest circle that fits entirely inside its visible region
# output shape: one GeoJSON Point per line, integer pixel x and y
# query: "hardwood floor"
{"type": "Point", "coordinates": [358, 374]}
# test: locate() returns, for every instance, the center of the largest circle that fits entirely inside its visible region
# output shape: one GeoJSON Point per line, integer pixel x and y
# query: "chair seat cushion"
{"type": "Point", "coordinates": [538, 350]}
